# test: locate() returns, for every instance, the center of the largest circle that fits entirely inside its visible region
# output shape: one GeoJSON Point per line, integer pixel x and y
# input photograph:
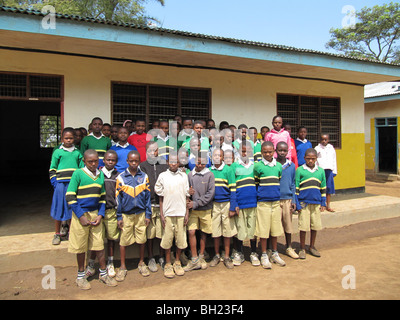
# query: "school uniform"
{"type": "Point", "coordinates": [164, 147]}
{"type": "Point", "coordinates": [64, 162]}
{"type": "Point", "coordinates": [288, 194]}
{"type": "Point", "coordinates": [301, 148]}
{"type": "Point", "coordinates": [122, 153]}
{"type": "Point", "coordinates": [278, 136]}
{"type": "Point", "coordinates": [100, 144]}
{"type": "Point", "coordinates": [139, 141]}
{"type": "Point", "coordinates": [326, 159]}
{"type": "Point", "coordinates": [110, 215]}
{"type": "Point", "coordinates": [267, 176]}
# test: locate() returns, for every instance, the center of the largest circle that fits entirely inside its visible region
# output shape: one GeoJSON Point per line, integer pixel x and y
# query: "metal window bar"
{"type": "Point", "coordinates": [50, 131]}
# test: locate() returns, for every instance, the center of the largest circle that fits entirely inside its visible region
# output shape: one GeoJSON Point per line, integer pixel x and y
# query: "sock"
{"type": "Point", "coordinates": [253, 244]}
{"type": "Point", "coordinates": [81, 274]}
{"type": "Point", "coordinates": [91, 263]}
{"type": "Point", "coordinates": [239, 245]}
{"type": "Point", "coordinates": [103, 273]}
{"type": "Point", "coordinates": [110, 259]}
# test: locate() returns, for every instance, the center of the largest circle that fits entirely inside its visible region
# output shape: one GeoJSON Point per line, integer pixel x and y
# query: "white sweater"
{"type": "Point", "coordinates": [174, 187]}
{"type": "Point", "coordinates": [326, 157]}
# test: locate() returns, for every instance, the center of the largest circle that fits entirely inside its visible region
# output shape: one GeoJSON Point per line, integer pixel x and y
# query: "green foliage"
{"type": "Point", "coordinates": [126, 11]}
{"type": "Point", "coordinates": [374, 35]}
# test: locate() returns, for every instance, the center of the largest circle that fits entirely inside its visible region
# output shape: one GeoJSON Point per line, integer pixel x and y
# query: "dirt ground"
{"type": "Point", "coordinates": [370, 248]}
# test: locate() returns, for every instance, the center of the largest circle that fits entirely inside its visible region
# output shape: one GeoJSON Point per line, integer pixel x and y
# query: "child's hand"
{"type": "Point", "coordinates": [186, 220]}
{"type": "Point", "coordinates": [84, 221]}
{"type": "Point", "coordinates": [232, 213]}
{"type": "Point", "coordinates": [191, 191]}
{"type": "Point", "coordinates": [120, 224]}
{"type": "Point", "coordinates": [162, 220]}
{"type": "Point", "coordinates": [97, 221]}
{"type": "Point", "coordinates": [147, 221]}
{"type": "Point", "coordinates": [322, 208]}
{"type": "Point", "coordinates": [237, 210]}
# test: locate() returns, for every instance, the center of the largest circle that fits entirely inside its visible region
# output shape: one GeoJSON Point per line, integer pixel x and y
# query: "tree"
{"type": "Point", "coordinates": [374, 35]}
{"type": "Point", "coordinates": [126, 11]}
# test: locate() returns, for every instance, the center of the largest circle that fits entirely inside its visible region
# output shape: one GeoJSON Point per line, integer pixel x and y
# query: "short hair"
{"type": "Point", "coordinates": [187, 119]}
{"type": "Point", "coordinates": [148, 144]}
{"type": "Point", "coordinates": [96, 118]}
{"type": "Point", "coordinates": [198, 122]}
{"type": "Point", "coordinates": [133, 152]}
{"type": "Point", "coordinates": [275, 117]}
{"type": "Point", "coordinates": [301, 127]}
{"type": "Point", "coordinates": [90, 152]}
{"type": "Point", "coordinates": [164, 120]}
{"type": "Point", "coordinates": [268, 144]}
{"type": "Point", "coordinates": [242, 126]}
{"type": "Point", "coordinates": [110, 151]}
{"type": "Point", "coordinates": [203, 155]}
{"type": "Point", "coordinates": [140, 120]}
{"type": "Point", "coordinates": [123, 128]}
{"type": "Point", "coordinates": [68, 129]}
{"type": "Point", "coordinates": [311, 151]}
{"type": "Point", "coordinates": [283, 143]}
{"type": "Point", "coordinates": [223, 124]}
{"type": "Point", "coordinates": [245, 143]}
{"type": "Point", "coordinates": [107, 124]}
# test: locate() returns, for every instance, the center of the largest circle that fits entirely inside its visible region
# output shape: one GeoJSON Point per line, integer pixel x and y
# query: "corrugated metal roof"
{"type": "Point", "coordinates": [187, 34]}
{"type": "Point", "coordinates": [381, 89]}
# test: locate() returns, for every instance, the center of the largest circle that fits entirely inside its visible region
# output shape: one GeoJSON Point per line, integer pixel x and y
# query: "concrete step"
{"type": "Point", "coordinates": [31, 251]}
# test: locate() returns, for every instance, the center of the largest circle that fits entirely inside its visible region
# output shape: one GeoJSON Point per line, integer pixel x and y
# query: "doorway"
{"type": "Point", "coordinates": [387, 149]}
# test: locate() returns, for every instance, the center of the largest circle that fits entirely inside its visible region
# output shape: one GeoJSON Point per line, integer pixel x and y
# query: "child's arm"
{"type": "Point", "coordinates": [232, 188]}
{"type": "Point", "coordinates": [161, 201]}
{"type": "Point", "coordinates": [148, 201]}
{"type": "Point", "coordinates": [118, 198]}
{"type": "Point", "coordinates": [297, 185]}
{"type": "Point", "coordinates": [334, 161]}
{"type": "Point", "coordinates": [323, 190]}
{"type": "Point", "coordinates": [55, 159]}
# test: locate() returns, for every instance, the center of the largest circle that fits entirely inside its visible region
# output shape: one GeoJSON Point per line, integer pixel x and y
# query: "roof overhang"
{"type": "Point", "coordinates": [107, 41]}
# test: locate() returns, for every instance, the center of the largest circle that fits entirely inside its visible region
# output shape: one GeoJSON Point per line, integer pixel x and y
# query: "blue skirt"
{"type": "Point", "coordinates": [60, 210]}
{"type": "Point", "coordinates": [330, 185]}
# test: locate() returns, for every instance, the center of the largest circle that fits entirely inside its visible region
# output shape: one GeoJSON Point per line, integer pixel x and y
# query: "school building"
{"type": "Point", "coordinates": [65, 71]}
{"type": "Point", "coordinates": [382, 131]}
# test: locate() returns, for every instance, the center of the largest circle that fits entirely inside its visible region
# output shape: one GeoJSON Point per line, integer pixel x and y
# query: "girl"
{"type": "Point", "coordinates": [64, 161]}
{"type": "Point", "coordinates": [278, 134]}
{"type": "Point", "coordinates": [302, 144]}
{"type": "Point", "coordinates": [326, 159]}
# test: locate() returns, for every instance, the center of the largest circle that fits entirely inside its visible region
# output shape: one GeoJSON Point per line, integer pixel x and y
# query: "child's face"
{"type": "Point", "coordinates": [133, 162]}
{"type": "Point", "coordinates": [140, 127]}
{"type": "Point", "coordinates": [84, 132]}
{"type": "Point", "coordinates": [277, 123]}
{"type": "Point", "coordinates": [123, 134]}
{"type": "Point", "coordinates": [324, 139]}
{"type": "Point", "coordinates": [210, 124]}
{"type": "Point", "coordinates": [200, 164]}
{"type": "Point", "coordinates": [187, 125]}
{"type": "Point", "coordinates": [164, 127]}
{"type": "Point", "coordinates": [110, 161]}
{"type": "Point", "coordinates": [78, 136]}
{"type": "Point", "coordinates": [68, 139]}
{"type": "Point", "coordinates": [268, 153]}
{"type": "Point", "coordinates": [311, 159]}
{"type": "Point", "coordinates": [156, 125]}
{"type": "Point", "coordinates": [194, 145]}
{"type": "Point", "coordinates": [228, 136]}
{"type": "Point", "coordinates": [97, 126]}
{"type": "Point", "coordinates": [245, 153]}
{"type": "Point", "coordinates": [281, 151]}
{"type": "Point", "coordinates": [228, 158]}
{"type": "Point", "coordinates": [173, 163]}
{"type": "Point", "coordinates": [183, 157]}
{"type": "Point", "coordinates": [263, 132]}
{"type": "Point", "coordinates": [288, 128]}
{"type": "Point", "coordinates": [91, 162]}
{"type": "Point", "coordinates": [302, 133]}
{"type": "Point", "coordinates": [174, 129]}
{"type": "Point", "coordinates": [106, 130]}
{"type": "Point", "coordinates": [152, 151]}
{"type": "Point", "coordinates": [198, 127]}
{"type": "Point", "coordinates": [114, 133]}
{"type": "Point", "coordinates": [243, 133]}
{"type": "Point", "coordinates": [218, 157]}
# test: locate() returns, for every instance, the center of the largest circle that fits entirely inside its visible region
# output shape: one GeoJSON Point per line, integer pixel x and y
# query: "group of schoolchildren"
{"type": "Point", "coordinates": [180, 183]}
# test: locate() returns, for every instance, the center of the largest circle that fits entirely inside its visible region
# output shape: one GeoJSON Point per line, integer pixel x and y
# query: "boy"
{"type": "Point", "coordinates": [199, 135]}
{"type": "Point", "coordinates": [187, 131]}
{"type": "Point", "coordinates": [88, 206]}
{"type": "Point", "coordinates": [257, 144]}
{"type": "Point", "coordinates": [292, 145]}
{"type": "Point", "coordinates": [153, 168]}
{"type": "Point", "coordinates": [110, 217]}
{"type": "Point", "coordinates": [327, 161]}
{"type": "Point", "coordinates": [163, 139]}
{"type": "Point", "coordinates": [114, 134]}
{"type": "Point", "coordinates": [246, 199]}
{"type": "Point", "coordinates": [288, 192]}
{"type": "Point", "coordinates": [267, 174]}
{"type": "Point", "coordinates": [133, 211]}
{"type": "Point", "coordinates": [229, 157]}
{"type": "Point", "coordinates": [122, 148]}
{"type": "Point", "coordinates": [302, 144]}
{"type": "Point", "coordinates": [140, 138]}
{"type": "Point", "coordinates": [172, 187]}
{"type": "Point", "coordinates": [78, 136]}
{"type": "Point", "coordinates": [96, 140]}
{"type": "Point", "coordinates": [106, 130]}
{"type": "Point", "coordinates": [223, 223]}
{"type": "Point", "coordinates": [202, 189]}
{"type": "Point", "coordinates": [310, 200]}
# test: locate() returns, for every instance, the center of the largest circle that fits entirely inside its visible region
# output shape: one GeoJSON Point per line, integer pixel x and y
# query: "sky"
{"type": "Point", "coordinates": [300, 24]}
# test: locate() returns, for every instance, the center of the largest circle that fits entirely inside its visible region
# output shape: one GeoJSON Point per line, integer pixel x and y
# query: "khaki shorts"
{"type": "Point", "coordinates": [174, 228]}
{"type": "Point", "coordinates": [82, 239]}
{"type": "Point", "coordinates": [200, 220]}
{"type": "Point", "coordinates": [269, 219]}
{"type": "Point", "coordinates": [310, 218]}
{"type": "Point", "coordinates": [134, 229]}
{"type": "Point", "coordinates": [110, 224]}
{"type": "Point", "coordinates": [155, 229]}
{"type": "Point", "coordinates": [222, 224]}
{"type": "Point", "coordinates": [246, 223]}
{"type": "Point", "coordinates": [286, 206]}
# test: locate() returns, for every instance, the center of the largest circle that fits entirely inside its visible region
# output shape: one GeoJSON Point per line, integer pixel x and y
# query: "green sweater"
{"type": "Point", "coordinates": [101, 145]}
{"type": "Point", "coordinates": [63, 164]}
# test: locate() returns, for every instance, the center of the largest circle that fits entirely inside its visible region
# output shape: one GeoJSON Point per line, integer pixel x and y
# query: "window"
{"type": "Point", "coordinates": [318, 114]}
{"type": "Point", "coordinates": [25, 86]}
{"type": "Point", "coordinates": [50, 131]}
{"type": "Point", "coordinates": [131, 101]}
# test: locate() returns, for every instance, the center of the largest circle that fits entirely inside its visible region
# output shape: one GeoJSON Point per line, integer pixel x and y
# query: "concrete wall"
{"type": "Point", "coordinates": [237, 98]}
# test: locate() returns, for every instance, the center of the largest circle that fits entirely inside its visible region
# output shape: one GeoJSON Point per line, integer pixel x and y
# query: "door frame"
{"type": "Point", "coordinates": [381, 123]}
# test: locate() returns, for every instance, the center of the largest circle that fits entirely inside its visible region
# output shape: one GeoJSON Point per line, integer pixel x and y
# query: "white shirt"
{"type": "Point", "coordinates": [106, 172]}
{"type": "Point", "coordinates": [90, 174]}
{"type": "Point", "coordinates": [326, 157]}
{"type": "Point", "coordinates": [269, 163]}
{"type": "Point", "coordinates": [91, 134]}
{"type": "Point", "coordinates": [309, 169]}
{"type": "Point", "coordinates": [174, 187]}
{"type": "Point", "coordinates": [70, 149]}
{"type": "Point", "coordinates": [124, 146]}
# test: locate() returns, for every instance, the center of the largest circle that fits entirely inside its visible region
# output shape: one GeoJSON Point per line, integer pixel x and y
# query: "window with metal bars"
{"type": "Point", "coordinates": [320, 115]}
{"type": "Point", "coordinates": [132, 101]}
{"type": "Point", "coordinates": [50, 131]}
{"type": "Point", "coordinates": [26, 86]}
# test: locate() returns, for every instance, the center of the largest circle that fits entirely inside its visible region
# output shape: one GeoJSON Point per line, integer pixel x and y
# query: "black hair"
{"type": "Point", "coordinates": [140, 120]}
{"type": "Point", "coordinates": [123, 128]}
{"type": "Point", "coordinates": [241, 126]}
{"type": "Point", "coordinates": [107, 124]}
{"type": "Point", "coordinates": [282, 143]}
{"type": "Point", "coordinates": [275, 117]}
{"type": "Point", "coordinates": [148, 144]}
{"type": "Point", "coordinates": [311, 151]}
{"type": "Point", "coordinates": [267, 144]}
{"type": "Point", "coordinates": [68, 129]}
{"type": "Point", "coordinates": [90, 152]}
{"type": "Point", "coordinates": [197, 122]}
{"type": "Point", "coordinates": [187, 119]}
{"type": "Point", "coordinates": [110, 151]}
{"type": "Point", "coordinates": [223, 123]}
{"type": "Point", "coordinates": [133, 152]}
{"type": "Point", "coordinates": [96, 118]}
{"type": "Point", "coordinates": [301, 127]}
